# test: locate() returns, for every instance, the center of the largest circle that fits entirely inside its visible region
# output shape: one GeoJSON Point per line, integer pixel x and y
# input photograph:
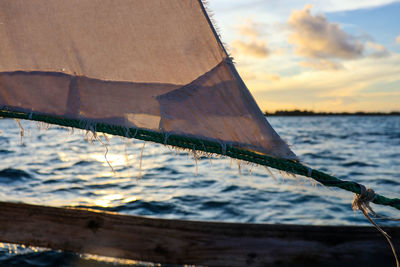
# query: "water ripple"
{"type": "Point", "coordinates": [358, 164]}
{"type": "Point", "coordinates": [13, 175]}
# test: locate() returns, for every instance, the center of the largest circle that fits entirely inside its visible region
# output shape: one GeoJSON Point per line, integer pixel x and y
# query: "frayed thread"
{"type": "Point", "coordinates": [239, 164]}
{"type": "Point", "coordinates": [43, 126]}
{"type": "Point", "coordinates": [210, 15]}
{"type": "Point", "coordinates": [21, 130]}
{"type": "Point", "coordinates": [196, 159]}
{"type": "Point", "coordinates": [270, 173]}
{"type": "Point", "coordinates": [140, 161]}
{"type": "Point", "coordinates": [106, 152]}
{"type": "Point", "coordinates": [361, 202]}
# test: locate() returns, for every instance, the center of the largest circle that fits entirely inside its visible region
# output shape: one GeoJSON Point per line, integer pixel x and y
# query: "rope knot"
{"type": "Point", "coordinates": [361, 201]}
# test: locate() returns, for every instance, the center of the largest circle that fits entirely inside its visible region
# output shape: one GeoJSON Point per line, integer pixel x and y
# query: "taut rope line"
{"type": "Point", "coordinates": [209, 146]}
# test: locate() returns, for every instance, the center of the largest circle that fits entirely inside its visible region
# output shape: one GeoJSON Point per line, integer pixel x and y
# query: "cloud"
{"type": "Point", "coordinates": [281, 7]}
{"type": "Point", "coordinates": [254, 48]}
{"type": "Point", "coordinates": [272, 77]}
{"type": "Point", "coordinates": [322, 64]}
{"type": "Point", "coordinates": [249, 75]}
{"type": "Point", "coordinates": [252, 44]}
{"type": "Point", "coordinates": [346, 5]}
{"type": "Point", "coordinates": [316, 38]}
{"type": "Point", "coordinates": [251, 29]}
{"type": "Point", "coordinates": [398, 39]}
{"type": "Point", "coordinates": [377, 50]}
{"type": "Point", "coordinates": [360, 89]}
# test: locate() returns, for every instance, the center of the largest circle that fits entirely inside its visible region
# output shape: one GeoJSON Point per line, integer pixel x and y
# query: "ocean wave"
{"type": "Point", "coordinates": [13, 175]}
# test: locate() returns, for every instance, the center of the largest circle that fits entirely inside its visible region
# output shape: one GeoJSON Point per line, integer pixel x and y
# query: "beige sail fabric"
{"type": "Point", "coordinates": [151, 64]}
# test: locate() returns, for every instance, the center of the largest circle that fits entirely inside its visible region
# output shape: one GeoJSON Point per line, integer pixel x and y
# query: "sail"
{"type": "Point", "coordinates": [156, 65]}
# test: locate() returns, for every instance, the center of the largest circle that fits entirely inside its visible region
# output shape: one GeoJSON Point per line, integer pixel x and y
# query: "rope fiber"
{"type": "Point", "coordinates": [361, 202]}
{"type": "Point", "coordinates": [207, 146]}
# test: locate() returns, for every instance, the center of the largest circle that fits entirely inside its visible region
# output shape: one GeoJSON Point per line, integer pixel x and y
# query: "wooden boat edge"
{"type": "Point", "coordinates": [192, 242]}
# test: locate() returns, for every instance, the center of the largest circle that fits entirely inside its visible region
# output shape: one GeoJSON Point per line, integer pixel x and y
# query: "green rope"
{"type": "Point", "coordinates": [206, 146]}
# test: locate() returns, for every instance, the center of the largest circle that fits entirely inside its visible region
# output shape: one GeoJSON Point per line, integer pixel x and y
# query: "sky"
{"type": "Point", "coordinates": [333, 55]}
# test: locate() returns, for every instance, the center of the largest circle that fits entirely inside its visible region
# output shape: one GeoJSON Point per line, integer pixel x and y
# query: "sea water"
{"type": "Point", "coordinates": [58, 167]}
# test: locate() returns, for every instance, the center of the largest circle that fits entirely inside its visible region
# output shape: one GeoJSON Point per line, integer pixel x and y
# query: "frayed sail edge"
{"type": "Point", "coordinates": [89, 128]}
{"type": "Point", "coordinates": [208, 148]}
{"type": "Point", "coordinates": [209, 14]}
{"type": "Point", "coordinates": [91, 135]}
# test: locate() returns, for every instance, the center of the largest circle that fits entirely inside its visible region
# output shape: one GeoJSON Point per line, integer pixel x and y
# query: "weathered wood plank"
{"type": "Point", "coordinates": [191, 242]}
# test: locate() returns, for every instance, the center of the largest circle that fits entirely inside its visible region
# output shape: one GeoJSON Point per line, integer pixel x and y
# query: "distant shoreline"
{"type": "Point", "coordinates": [312, 113]}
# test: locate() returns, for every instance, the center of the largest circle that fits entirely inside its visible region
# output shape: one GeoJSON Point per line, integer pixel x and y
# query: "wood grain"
{"type": "Point", "coordinates": [193, 242]}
